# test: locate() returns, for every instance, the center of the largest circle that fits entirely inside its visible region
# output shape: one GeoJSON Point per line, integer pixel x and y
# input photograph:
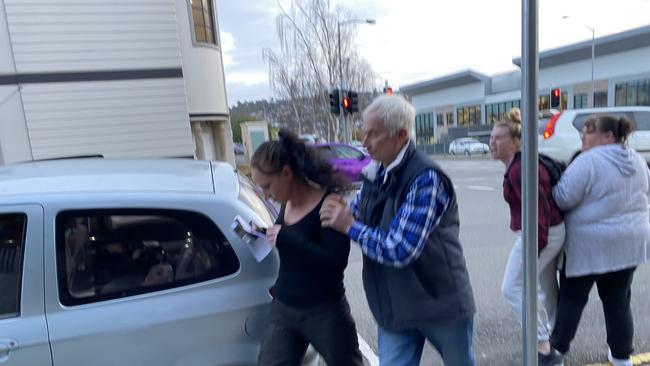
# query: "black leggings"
{"type": "Point", "coordinates": [614, 291]}
{"type": "Point", "coordinates": [328, 327]}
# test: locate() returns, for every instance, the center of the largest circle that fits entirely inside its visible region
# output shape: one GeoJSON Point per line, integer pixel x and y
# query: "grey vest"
{"type": "Point", "coordinates": [435, 287]}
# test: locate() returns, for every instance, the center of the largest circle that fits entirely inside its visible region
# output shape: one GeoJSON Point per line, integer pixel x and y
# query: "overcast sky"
{"type": "Point", "coordinates": [416, 40]}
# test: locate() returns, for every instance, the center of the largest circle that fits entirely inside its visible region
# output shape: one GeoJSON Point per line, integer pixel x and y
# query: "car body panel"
{"type": "Point", "coordinates": [345, 158]}
{"type": "Point", "coordinates": [565, 141]}
{"type": "Point", "coordinates": [24, 338]}
{"type": "Point", "coordinates": [218, 321]}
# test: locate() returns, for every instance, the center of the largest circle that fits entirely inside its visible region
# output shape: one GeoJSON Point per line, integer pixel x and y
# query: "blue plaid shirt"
{"type": "Point", "coordinates": [407, 234]}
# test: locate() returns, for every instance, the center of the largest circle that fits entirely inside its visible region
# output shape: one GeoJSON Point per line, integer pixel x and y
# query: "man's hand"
{"type": "Point", "coordinates": [335, 214]}
{"type": "Point", "coordinates": [272, 234]}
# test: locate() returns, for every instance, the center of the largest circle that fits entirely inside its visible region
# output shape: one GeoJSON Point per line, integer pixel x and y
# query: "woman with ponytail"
{"type": "Point", "coordinates": [604, 193]}
{"type": "Point", "coordinates": [505, 146]}
{"type": "Point", "coordinates": [309, 304]}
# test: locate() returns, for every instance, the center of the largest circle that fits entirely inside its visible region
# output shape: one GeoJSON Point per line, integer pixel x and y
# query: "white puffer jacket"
{"type": "Point", "coordinates": [605, 195]}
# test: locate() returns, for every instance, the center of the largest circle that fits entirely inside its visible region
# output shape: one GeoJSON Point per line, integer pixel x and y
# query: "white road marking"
{"type": "Point", "coordinates": [367, 352]}
{"type": "Point", "coordinates": [480, 188]}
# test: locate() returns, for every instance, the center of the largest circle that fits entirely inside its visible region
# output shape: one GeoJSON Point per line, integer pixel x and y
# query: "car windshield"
{"type": "Point", "coordinates": [254, 198]}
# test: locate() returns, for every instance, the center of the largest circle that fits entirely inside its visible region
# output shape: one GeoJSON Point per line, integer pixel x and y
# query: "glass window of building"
{"type": "Point", "coordinates": [544, 103]}
{"type": "Point", "coordinates": [440, 119]}
{"type": "Point", "coordinates": [600, 99]}
{"type": "Point", "coordinates": [494, 112]}
{"type": "Point", "coordinates": [202, 15]}
{"type": "Point", "coordinates": [635, 92]}
{"type": "Point", "coordinates": [450, 118]}
{"type": "Point", "coordinates": [469, 115]}
{"type": "Point", "coordinates": [580, 101]}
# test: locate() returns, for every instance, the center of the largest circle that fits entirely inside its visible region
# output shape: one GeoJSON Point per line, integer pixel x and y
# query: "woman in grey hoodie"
{"type": "Point", "coordinates": [605, 195]}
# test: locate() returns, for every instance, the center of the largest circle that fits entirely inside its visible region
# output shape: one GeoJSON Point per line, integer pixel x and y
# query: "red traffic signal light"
{"type": "Point", "coordinates": [346, 103]}
{"type": "Point", "coordinates": [555, 98]}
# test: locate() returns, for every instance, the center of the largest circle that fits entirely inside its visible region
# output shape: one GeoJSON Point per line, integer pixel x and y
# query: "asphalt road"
{"type": "Point", "coordinates": [487, 241]}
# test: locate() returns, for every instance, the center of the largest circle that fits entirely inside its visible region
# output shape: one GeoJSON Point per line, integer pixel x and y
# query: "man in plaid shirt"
{"type": "Point", "coordinates": [405, 219]}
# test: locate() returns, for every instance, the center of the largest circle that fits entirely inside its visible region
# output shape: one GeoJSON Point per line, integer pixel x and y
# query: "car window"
{"type": "Point", "coordinates": [109, 254]}
{"type": "Point", "coordinates": [581, 118]}
{"type": "Point", "coordinates": [252, 196]}
{"type": "Point", "coordinates": [12, 243]}
{"type": "Point", "coordinates": [345, 152]}
{"type": "Point", "coordinates": [641, 120]}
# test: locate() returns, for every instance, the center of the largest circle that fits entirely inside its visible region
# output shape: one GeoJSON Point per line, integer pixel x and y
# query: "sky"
{"type": "Point", "coordinates": [417, 40]}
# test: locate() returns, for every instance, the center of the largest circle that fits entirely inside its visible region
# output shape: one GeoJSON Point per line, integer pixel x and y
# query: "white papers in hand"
{"type": "Point", "coordinates": [255, 240]}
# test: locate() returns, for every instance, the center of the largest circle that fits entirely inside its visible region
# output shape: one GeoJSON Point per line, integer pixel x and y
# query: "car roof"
{"type": "Point", "coordinates": [608, 109]}
{"type": "Point", "coordinates": [117, 175]}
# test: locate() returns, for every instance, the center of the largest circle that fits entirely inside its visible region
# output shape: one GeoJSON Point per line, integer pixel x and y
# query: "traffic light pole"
{"type": "Point", "coordinates": [341, 117]}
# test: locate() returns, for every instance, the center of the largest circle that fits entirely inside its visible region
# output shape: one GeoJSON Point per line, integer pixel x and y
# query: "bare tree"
{"type": "Point", "coordinates": [306, 67]}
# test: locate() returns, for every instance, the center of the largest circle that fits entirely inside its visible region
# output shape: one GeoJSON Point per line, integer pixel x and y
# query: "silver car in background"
{"type": "Point", "coordinates": [130, 262]}
{"type": "Point", "coordinates": [467, 146]}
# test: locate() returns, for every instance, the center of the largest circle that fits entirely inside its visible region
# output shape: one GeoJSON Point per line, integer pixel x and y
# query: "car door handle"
{"type": "Point", "coordinates": [7, 345]}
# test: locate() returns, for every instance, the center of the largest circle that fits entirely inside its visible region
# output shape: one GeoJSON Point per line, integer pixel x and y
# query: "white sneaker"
{"type": "Point", "coordinates": [618, 361]}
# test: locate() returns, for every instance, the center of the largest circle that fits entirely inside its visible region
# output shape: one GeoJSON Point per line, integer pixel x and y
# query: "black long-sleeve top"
{"type": "Point", "coordinates": [312, 261]}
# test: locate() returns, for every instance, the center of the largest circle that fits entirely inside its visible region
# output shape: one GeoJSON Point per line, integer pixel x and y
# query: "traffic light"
{"type": "Point", "coordinates": [335, 107]}
{"type": "Point", "coordinates": [555, 98]}
{"type": "Point", "coordinates": [346, 104]}
{"type": "Point", "coordinates": [388, 90]}
{"type": "Point", "coordinates": [354, 102]}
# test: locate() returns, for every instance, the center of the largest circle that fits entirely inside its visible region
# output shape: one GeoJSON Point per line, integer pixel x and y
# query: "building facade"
{"type": "Point", "coordinates": [137, 78]}
{"type": "Point", "coordinates": [468, 102]}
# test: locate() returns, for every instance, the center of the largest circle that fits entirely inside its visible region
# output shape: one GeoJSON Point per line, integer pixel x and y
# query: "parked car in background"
{"type": "Point", "coordinates": [345, 158]}
{"type": "Point", "coordinates": [467, 146]}
{"type": "Point", "coordinates": [560, 139]}
{"type": "Point", "coordinates": [130, 262]}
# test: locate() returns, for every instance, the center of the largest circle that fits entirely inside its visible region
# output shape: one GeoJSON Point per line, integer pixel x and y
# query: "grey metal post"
{"type": "Point", "coordinates": [341, 118]}
{"type": "Point", "coordinates": [529, 178]}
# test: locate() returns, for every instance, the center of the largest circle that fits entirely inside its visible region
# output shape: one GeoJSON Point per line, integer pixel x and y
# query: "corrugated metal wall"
{"type": "Point", "coordinates": [82, 35]}
{"type": "Point", "coordinates": [139, 118]}
{"type": "Point", "coordinates": [118, 118]}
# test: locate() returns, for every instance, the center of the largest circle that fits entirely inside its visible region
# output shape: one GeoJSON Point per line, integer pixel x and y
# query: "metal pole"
{"type": "Point", "coordinates": [341, 117]}
{"type": "Point", "coordinates": [341, 128]}
{"type": "Point", "coordinates": [593, 56]}
{"type": "Point", "coordinates": [529, 178]}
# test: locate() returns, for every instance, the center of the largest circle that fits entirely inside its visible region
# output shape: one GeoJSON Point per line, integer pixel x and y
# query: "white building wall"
{"type": "Point", "coordinates": [464, 94]}
{"type": "Point", "coordinates": [138, 117]}
{"type": "Point", "coordinates": [130, 118]}
{"type": "Point", "coordinates": [14, 142]}
{"type": "Point", "coordinates": [605, 67]}
{"type": "Point", "coordinates": [202, 67]}
{"type": "Point", "coordinates": [83, 35]}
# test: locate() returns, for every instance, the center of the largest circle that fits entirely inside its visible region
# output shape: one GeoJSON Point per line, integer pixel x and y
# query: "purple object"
{"type": "Point", "coordinates": [344, 158]}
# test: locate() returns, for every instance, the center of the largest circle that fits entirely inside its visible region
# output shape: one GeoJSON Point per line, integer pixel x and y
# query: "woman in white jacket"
{"type": "Point", "coordinates": [605, 195]}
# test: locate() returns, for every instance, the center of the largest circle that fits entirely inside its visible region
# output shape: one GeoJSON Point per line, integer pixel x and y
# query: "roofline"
{"type": "Point", "coordinates": [448, 81]}
{"type": "Point", "coordinates": [607, 45]}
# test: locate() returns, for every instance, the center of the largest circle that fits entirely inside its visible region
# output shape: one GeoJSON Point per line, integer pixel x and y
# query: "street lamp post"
{"type": "Point", "coordinates": [593, 56]}
{"type": "Point", "coordinates": [342, 117]}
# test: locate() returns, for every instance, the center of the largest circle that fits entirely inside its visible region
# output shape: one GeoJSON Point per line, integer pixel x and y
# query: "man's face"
{"type": "Point", "coordinates": [377, 139]}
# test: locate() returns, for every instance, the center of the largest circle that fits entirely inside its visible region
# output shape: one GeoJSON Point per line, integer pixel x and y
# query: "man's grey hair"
{"type": "Point", "coordinates": [395, 112]}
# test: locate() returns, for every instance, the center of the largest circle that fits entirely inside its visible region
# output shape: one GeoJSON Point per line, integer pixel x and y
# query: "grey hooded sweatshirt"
{"type": "Point", "coordinates": [604, 192]}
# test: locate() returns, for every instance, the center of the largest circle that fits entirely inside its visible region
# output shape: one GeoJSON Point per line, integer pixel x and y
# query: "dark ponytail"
{"type": "Point", "coordinates": [304, 161]}
{"type": "Point", "coordinates": [621, 127]}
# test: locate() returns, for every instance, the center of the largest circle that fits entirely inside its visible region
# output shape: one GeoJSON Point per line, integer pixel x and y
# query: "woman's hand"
{"type": "Point", "coordinates": [272, 234]}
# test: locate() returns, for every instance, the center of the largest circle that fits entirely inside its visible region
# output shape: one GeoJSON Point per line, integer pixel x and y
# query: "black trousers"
{"type": "Point", "coordinates": [614, 292]}
{"type": "Point", "coordinates": [328, 327]}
